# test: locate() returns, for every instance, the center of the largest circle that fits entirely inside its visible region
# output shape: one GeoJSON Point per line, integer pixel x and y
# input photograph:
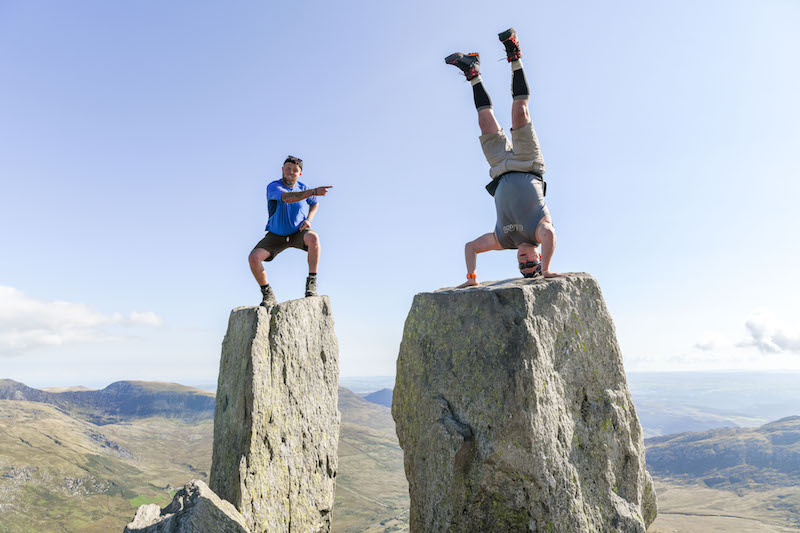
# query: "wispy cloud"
{"type": "Point", "coordinates": [769, 335]}
{"type": "Point", "coordinates": [148, 318]}
{"type": "Point", "coordinates": [28, 323]}
{"type": "Point", "coordinates": [762, 342]}
{"type": "Point", "coordinates": [711, 341]}
{"type": "Point", "coordinates": [762, 331]}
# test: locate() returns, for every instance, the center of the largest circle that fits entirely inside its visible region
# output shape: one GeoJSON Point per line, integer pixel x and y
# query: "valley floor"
{"type": "Point", "coordinates": [690, 508]}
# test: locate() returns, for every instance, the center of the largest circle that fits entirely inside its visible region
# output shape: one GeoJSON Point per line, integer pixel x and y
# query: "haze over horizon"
{"type": "Point", "coordinates": [138, 140]}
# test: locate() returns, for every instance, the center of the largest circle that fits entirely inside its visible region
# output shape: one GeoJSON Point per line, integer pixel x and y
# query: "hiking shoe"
{"type": "Point", "coordinates": [509, 40]}
{"type": "Point", "coordinates": [311, 286]}
{"type": "Point", "coordinates": [469, 64]}
{"type": "Point", "coordinates": [268, 297]}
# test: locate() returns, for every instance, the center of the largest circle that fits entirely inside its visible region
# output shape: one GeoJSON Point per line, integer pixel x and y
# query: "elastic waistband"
{"type": "Point", "coordinates": [534, 174]}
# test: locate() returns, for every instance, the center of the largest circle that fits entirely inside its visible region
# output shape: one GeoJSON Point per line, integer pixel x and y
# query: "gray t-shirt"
{"type": "Point", "coordinates": [519, 201]}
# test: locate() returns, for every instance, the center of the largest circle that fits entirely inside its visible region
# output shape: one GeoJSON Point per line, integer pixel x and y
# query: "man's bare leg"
{"type": "Point", "coordinates": [311, 240]}
{"type": "Point", "coordinates": [470, 65]}
{"type": "Point", "coordinates": [520, 111]}
{"type": "Point", "coordinates": [520, 114]}
{"type": "Point", "coordinates": [256, 259]}
{"type": "Point", "coordinates": [520, 108]}
{"type": "Point", "coordinates": [487, 121]}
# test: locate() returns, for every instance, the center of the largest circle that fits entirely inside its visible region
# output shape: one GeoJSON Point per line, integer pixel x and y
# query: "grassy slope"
{"type": "Point", "coordinates": [153, 456]}
{"type": "Point", "coordinates": [123, 465]}
{"type": "Point", "coordinates": [686, 507]}
{"type": "Point", "coordinates": [63, 474]}
{"type": "Point", "coordinates": [371, 488]}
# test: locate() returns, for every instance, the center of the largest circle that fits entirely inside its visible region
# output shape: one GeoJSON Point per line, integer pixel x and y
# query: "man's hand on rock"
{"type": "Point", "coordinates": [321, 191]}
{"type": "Point", "coordinates": [471, 282]}
{"type": "Point", "coordinates": [551, 274]}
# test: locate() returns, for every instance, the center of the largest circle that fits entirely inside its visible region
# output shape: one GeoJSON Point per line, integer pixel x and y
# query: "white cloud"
{"type": "Point", "coordinates": [711, 341]}
{"type": "Point", "coordinates": [769, 335]}
{"type": "Point", "coordinates": [764, 343]}
{"type": "Point", "coordinates": [27, 323]}
{"type": "Point", "coordinates": [148, 318]}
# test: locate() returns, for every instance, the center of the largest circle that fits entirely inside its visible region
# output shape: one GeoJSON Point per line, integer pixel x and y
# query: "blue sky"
{"type": "Point", "coordinates": [137, 138]}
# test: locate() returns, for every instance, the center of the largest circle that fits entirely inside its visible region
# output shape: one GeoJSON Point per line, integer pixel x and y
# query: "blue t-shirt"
{"type": "Point", "coordinates": [285, 219]}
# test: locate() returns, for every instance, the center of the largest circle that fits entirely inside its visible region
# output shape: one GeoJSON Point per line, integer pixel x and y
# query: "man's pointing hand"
{"type": "Point", "coordinates": [321, 191]}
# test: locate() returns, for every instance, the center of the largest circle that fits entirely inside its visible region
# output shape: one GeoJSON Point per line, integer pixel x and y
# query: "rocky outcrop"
{"type": "Point", "coordinates": [276, 422]}
{"type": "Point", "coordinates": [514, 414]}
{"type": "Point", "coordinates": [194, 509]}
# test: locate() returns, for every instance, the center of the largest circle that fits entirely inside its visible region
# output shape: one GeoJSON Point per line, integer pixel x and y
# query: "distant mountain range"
{"type": "Point", "coordinates": [120, 401]}
{"type": "Point", "coordinates": [734, 457]}
{"type": "Point", "coordinates": [677, 402]}
{"type": "Point", "coordinates": [80, 460]}
{"type": "Point", "coordinates": [381, 397]}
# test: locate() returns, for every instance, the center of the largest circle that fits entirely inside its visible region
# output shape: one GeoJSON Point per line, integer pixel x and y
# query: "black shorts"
{"type": "Point", "coordinates": [275, 244]}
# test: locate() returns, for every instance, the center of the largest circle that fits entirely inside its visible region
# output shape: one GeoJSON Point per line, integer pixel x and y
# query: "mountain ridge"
{"type": "Point", "coordinates": [731, 457]}
{"type": "Point", "coordinates": [119, 401]}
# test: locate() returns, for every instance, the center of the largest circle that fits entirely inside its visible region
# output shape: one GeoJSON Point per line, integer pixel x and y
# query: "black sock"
{"type": "Point", "coordinates": [264, 286]}
{"type": "Point", "coordinates": [312, 274]}
{"type": "Point", "coordinates": [519, 85]}
{"type": "Point", "coordinates": [482, 99]}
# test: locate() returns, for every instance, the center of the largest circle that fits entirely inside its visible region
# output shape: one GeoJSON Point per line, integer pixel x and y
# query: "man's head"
{"type": "Point", "coordinates": [292, 168]}
{"type": "Point", "coordinates": [529, 258]}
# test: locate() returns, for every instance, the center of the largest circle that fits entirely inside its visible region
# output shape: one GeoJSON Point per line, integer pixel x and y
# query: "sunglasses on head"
{"type": "Point", "coordinates": [292, 159]}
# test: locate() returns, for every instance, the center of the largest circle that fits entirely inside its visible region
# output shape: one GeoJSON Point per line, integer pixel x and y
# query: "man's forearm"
{"type": "Point", "coordinates": [548, 247]}
{"type": "Point", "coordinates": [484, 243]}
{"type": "Point", "coordinates": [471, 257]}
{"type": "Point", "coordinates": [312, 212]}
{"type": "Point", "coordinates": [292, 197]}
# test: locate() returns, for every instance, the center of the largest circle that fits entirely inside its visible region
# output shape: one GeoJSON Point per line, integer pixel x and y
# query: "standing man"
{"type": "Point", "coordinates": [523, 220]}
{"type": "Point", "coordinates": [288, 226]}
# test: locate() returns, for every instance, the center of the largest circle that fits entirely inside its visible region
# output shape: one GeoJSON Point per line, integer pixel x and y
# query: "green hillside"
{"type": "Point", "coordinates": [120, 401]}
{"type": "Point", "coordinates": [61, 472]}
{"type": "Point", "coordinates": [731, 457]}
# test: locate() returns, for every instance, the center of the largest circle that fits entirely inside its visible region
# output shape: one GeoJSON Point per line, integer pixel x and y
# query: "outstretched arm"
{"type": "Point", "coordinates": [484, 243]}
{"type": "Point", "coordinates": [292, 197]}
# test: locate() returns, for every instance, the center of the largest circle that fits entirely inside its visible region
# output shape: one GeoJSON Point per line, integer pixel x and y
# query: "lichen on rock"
{"type": "Point", "coordinates": [514, 414]}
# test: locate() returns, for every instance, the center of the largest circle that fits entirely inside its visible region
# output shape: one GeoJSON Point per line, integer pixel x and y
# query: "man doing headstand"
{"type": "Point", "coordinates": [288, 226]}
{"type": "Point", "coordinates": [517, 167]}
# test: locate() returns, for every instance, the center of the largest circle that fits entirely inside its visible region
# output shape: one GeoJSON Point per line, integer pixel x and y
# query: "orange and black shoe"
{"type": "Point", "coordinates": [509, 40]}
{"type": "Point", "coordinates": [470, 64]}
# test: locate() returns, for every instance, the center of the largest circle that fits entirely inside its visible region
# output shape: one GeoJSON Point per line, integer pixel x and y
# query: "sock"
{"type": "Point", "coordinates": [264, 286]}
{"type": "Point", "coordinates": [312, 274]}
{"type": "Point", "coordinates": [519, 85]}
{"type": "Point", "coordinates": [482, 100]}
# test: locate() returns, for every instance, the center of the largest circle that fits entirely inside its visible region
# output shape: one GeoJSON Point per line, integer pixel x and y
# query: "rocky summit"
{"type": "Point", "coordinates": [514, 414]}
{"type": "Point", "coordinates": [194, 509]}
{"type": "Point", "coordinates": [276, 422]}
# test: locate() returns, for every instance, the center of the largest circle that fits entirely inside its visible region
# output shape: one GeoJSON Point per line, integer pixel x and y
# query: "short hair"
{"type": "Point", "coordinates": [296, 160]}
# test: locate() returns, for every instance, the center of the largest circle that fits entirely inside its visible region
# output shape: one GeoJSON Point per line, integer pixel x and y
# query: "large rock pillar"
{"type": "Point", "coordinates": [276, 421]}
{"type": "Point", "coordinates": [514, 414]}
